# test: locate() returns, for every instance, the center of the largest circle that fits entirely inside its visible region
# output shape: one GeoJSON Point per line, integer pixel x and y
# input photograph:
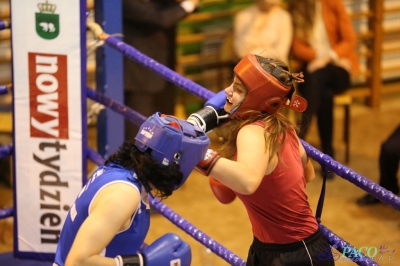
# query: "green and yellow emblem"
{"type": "Point", "coordinates": [47, 22]}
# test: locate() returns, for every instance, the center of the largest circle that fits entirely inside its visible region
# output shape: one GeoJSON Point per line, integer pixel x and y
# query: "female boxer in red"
{"type": "Point", "coordinates": [269, 167]}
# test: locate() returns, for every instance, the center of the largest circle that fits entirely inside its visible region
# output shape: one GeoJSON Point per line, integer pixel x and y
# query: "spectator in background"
{"type": "Point", "coordinates": [389, 159]}
{"type": "Point", "coordinates": [150, 27]}
{"type": "Point", "coordinates": [264, 28]}
{"type": "Point", "coordinates": [324, 44]}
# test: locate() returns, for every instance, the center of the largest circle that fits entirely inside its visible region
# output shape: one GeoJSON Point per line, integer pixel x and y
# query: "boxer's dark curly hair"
{"type": "Point", "coordinates": [164, 179]}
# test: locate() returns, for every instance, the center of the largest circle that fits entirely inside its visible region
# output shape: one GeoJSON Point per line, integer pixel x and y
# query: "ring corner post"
{"type": "Point", "coordinates": [109, 78]}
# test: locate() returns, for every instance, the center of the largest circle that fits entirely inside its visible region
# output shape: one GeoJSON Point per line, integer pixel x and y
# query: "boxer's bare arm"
{"type": "Point", "coordinates": [110, 213]}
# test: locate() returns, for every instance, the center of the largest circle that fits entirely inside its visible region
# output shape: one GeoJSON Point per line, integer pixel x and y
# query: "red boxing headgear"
{"type": "Point", "coordinates": [265, 91]}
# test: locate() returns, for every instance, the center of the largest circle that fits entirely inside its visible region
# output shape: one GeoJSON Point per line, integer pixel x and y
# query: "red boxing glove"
{"type": "Point", "coordinates": [205, 166]}
{"type": "Point", "coordinates": [223, 193]}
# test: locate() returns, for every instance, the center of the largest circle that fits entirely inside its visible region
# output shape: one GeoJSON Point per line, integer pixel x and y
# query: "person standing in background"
{"type": "Point", "coordinates": [150, 27]}
{"type": "Point", "coordinates": [389, 160]}
{"type": "Point", "coordinates": [265, 29]}
{"type": "Point", "coordinates": [324, 44]}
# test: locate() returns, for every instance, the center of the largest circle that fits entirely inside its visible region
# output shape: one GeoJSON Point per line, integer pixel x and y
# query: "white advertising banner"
{"type": "Point", "coordinates": [48, 126]}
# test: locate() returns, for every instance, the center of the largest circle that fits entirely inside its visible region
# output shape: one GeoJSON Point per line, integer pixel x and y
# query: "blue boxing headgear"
{"type": "Point", "coordinates": [173, 140]}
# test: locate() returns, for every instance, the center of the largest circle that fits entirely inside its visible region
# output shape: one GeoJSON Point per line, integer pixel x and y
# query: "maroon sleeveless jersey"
{"type": "Point", "coordinates": [278, 210]}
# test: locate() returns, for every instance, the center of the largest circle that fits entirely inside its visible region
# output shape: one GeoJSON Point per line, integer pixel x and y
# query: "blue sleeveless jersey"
{"type": "Point", "coordinates": [125, 242]}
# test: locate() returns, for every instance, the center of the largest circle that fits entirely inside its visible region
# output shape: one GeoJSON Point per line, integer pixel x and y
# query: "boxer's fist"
{"type": "Point", "coordinates": [168, 250]}
{"type": "Point", "coordinates": [213, 113]}
{"type": "Point", "coordinates": [208, 118]}
{"type": "Point", "coordinates": [223, 193]}
{"type": "Point", "coordinates": [205, 166]}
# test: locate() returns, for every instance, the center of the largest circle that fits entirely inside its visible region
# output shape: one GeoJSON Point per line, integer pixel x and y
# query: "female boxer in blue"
{"type": "Point", "coordinates": [109, 220]}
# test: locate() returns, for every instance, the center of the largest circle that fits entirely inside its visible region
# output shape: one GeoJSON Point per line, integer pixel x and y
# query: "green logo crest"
{"type": "Point", "coordinates": [47, 23]}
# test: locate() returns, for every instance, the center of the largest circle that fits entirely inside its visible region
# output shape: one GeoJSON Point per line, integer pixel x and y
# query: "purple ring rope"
{"type": "Point", "coordinates": [364, 183]}
{"type": "Point", "coordinates": [4, 24]}
{"type": "Point", "coordinates": [3, 89]}
{"type": "Point", "coordinates": [170, 75]}
{"type": "Point", "coordinates": [6, 150]}
{"type": "Point", "coordinates": [94, 156]}
{"type": "Point", "coordinates": [341, 244]}
{"type": "Point", "coordinates": [190, 229]}
{"type": "Point", "coordinates": [5, 213]}
{"type": "Point", "coordinates": [118, 107]}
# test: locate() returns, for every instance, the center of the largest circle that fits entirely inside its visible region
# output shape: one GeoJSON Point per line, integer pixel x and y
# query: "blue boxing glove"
{"type": "Point", "coordinates": [213, 113]}
{"type": "Point", "coordinates": [167, 250]}
{"type": "Point", "coordinates": [217, 101]}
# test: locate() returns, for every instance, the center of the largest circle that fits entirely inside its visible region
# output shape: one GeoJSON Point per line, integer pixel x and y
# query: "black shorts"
{"type": "Point", "coordinates": [313, 250]}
